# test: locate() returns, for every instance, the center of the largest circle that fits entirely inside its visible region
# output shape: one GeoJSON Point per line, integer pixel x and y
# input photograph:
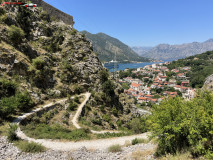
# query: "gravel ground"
{"type": "Point", "coordinates": [10, 152]}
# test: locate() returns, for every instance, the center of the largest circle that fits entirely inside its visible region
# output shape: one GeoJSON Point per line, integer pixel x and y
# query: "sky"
{"type": "Point", "coordinates": [143, 22]}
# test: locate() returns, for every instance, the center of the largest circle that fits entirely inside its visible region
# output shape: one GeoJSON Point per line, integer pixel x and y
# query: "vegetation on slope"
{"type": "Point", "coordinates": [181, 125]}
{"type": "Point", "coordinates": [201, 67]}
{"type": "Point", "coordinates": [106, 47]}
{"type": "Point", "coordinates": [50, 60]}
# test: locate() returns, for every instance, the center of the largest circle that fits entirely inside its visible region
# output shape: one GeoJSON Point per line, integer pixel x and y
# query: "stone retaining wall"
{"type": "Point", "coordinates": [66, 18]}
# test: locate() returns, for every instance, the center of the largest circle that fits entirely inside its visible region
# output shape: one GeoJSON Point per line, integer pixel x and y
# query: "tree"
{"type": "Point", "coordinates": [104, 75]}
{"type": "Point", "coordinates": [180, 124]}
{"type": "Point", "coordinates": [108, 87]}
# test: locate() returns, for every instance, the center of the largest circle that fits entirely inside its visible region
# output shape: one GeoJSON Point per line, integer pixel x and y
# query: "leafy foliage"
{"type": "Point", "coordinates": [15, 34]}
{"type": "Point", "coordinates": [43, 131]}
{"type": "Point", "coordinates": [8, 106]}
{"type": "Point", "coordinates": [7, 88]}
{"type": "Point", "coordinates": [180, 124]}
{"type": "Point", "coordinates": [201, 67]}
{"type": "Point", "coordinates": [11, 134]}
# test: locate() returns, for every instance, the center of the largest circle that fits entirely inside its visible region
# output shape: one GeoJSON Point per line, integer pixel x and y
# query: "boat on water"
{"type": "Point", "coordinates": [112, 64]}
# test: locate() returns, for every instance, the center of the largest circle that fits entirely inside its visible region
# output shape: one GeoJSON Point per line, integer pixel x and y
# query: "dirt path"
{"type": "Point", "coordinates": [79, 110]}
{"type": "Point", "coordinates": [89, 144]}
{"type": "Point", "coordinates": [67, 146]}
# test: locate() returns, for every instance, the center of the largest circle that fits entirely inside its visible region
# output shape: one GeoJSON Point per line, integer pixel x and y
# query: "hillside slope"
{"type": "Point", "coordinates": [106, 47]}
{"type": "Point", "coordinates": [166, 51]}
{"type": "Point", "coordinates": [46, 59]}
{"type": "Point", "coordinates": [201, 67]}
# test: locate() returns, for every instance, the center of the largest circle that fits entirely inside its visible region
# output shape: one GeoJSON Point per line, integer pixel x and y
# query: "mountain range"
{"type": "Point", "coordinates": [166, 51]}
{"type": "Point", "coordinates": [106, 47]}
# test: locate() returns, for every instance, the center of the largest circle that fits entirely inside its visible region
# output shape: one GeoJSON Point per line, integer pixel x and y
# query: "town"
{"type": "Point", "coordinates": [153, 83]}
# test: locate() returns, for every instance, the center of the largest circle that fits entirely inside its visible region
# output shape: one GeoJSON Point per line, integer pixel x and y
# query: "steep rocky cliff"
{"type": "Point", "coordinates": [49, 59]}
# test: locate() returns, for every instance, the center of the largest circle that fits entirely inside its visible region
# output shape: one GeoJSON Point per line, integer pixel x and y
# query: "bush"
{"type": "Point", "coordinates": [38, 63]}
{"type": "Point", "coordinates": [45, 16]}
{"type": "Point", "coordinates": [31, 147]}
{"type": "Point", "coordinates": [115, 148]}
{"type": "Point", "coordinates": [45, 131]}
{"type": "Point", "coordinates": [108, 88]}
{"type": "Point", "coordinates": [180, 124]}
{"type": "Point", "coordinates": [8, 106]}
{"type": "Point", "coordinates": [15, 34]}
{"type": "Point", "coordinates": [2, 11]}
{"type": "Point", "coordinates": [78, 89]}
{"type": "Point", "coordinates": [138, 140]}
{"type": "Point", "coordinates": [104, 75]}
{"type": "Point", "coordinates": [11, 134]}
{"type": "Point", "coordinates": [72, 106]}
{"type": "Point", "coordinates": [76, 99]}
{"type": "Point", "coordinates": [138, 125]}
{"type": "Point", "coordinates": [7, 88]}
{"type": "Point", "coordinates": [24, 101]}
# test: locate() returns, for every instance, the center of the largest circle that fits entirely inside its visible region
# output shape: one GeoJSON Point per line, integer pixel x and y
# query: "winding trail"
{"type": "Point", "coordinates": [67, 146]}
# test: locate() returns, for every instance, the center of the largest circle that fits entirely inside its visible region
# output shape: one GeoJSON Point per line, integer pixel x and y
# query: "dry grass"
{"type": "Point", "coordinates": [4, 128]}
{"type": "Point", "coordinates": [141, 155]}
{"type": "Point", "coordinates": [127, 143]}
{"type": "Point", "coordinates": [180, 156]}
{"type": "Point", "coordinates": [115, 148]}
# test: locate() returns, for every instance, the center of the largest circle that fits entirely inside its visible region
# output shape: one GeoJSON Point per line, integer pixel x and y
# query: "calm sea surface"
{"type": "Point", "coordinates": [123, 66]}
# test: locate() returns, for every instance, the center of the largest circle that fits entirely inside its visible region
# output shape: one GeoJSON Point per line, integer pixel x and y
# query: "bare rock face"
{"type": "Point", "coordinates": [208, 83]}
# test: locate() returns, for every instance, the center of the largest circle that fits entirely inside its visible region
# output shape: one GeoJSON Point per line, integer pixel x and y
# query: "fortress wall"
{"type": "Point", "coordinates": [66, 18]}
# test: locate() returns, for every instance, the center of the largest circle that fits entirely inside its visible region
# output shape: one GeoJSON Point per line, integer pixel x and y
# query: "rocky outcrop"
{"type": "Point", "coordinates": [9, 151]}
{"type": "Point", "coordinates": [209, 83]}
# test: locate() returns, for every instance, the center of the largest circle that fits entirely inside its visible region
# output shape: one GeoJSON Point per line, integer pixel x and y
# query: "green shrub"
{"type": "Point", "coordinates": [2, 11]}
{"type": "Point", "coordinates": [107, 118]}
{"type": "Point", "coordinates": [74, 31]}
{"type": "Point", "coordinates": [7, 88]}
{"type": "Point", "coordinates": [138, 140]}
{"type": "Point", "coordinates": [15, 34]}
{"type": "Point", "coordinates": [104, 75]}
{"type": "Point", "coordinates": [76, 99]}
{"type": "Point", "coordinates": [78, 89]}
{"type": "Point", "coordinates": [38, 63]}
{"type": "Point", "coordinates": [31, 147]}
{"type": "Point", "coordinates": [72, 106]}
{"type": "Point", "coordinates": [45, 131]}
{"type": "Point", "coordinates": [180, 124]}
{"type": "Point", "coordinates": [114, 111]}
{"type": "Point", "coordinates": [138, 125]}
{"type": "Point", "coordinates": [45, 16]}
{"type": "Point", "coordinates": [110, 135]}
{"type": "Point", "coordinates": [115, 148]}
{"type": "Point", "coordinates": [24, 101]}
{"type": "Point", "coordinates": [11, 134]}
{"type": "Point", "coordinates": [8, 106]}
{"type": "Point", "coordinates": [108, 88]}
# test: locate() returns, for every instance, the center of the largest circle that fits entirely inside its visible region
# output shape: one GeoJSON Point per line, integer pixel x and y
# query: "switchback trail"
{"type": "Point", "coordinates": [67, 146]}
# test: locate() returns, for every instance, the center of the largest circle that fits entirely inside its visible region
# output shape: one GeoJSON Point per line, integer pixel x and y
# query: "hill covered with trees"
{"type": "Point", "coordinates": [201, 67]}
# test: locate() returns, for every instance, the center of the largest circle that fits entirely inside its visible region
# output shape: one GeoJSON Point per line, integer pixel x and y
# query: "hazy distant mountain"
{"type": "Point", "coordinates": [141, 50]}
{"type": "Point", "coordinates": [166, 51]}
{"type": "Point", "coordinates": [106, 47]}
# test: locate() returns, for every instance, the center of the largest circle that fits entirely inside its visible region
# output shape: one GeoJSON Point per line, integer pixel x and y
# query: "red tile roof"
{"type": "Point", "coordinates": [142, 98]}
{"type": "Point", "coordinates": [135, 85]}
